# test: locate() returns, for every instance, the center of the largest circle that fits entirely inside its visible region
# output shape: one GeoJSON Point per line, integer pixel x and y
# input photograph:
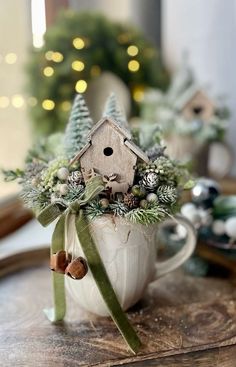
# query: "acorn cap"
{"type": "Point", "coordinates": [77, 269]}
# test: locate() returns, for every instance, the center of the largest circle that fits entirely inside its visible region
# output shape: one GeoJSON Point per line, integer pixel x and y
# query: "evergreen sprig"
{"type": "Point", "coordinates": [34, 198]}
{"type": "Point", "coordinates": [94, 210]}
{"type": "Point", "coordinates": [147, 216]}
{"type": "Point", "coordinates": [12, 175]}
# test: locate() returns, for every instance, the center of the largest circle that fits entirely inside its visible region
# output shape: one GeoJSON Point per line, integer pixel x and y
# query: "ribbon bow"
{"type": "Point", "coordinates": [93, 187]}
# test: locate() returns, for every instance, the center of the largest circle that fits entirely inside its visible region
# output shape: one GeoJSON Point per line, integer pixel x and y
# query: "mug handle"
{"type": "Point", "coordinates": [166, 266]}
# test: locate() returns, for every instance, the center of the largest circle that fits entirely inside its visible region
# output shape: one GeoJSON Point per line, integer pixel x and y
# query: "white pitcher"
{"type": "Point", "coordinates": [129, 253]}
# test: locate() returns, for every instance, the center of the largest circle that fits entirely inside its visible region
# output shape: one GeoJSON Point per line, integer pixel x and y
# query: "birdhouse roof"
{"type": "Point", "coordinates": [126, 134]}
{"type": "Point", "coordinates": [188, 95]}
{"type": "Point", "coordinates": [112, 122]}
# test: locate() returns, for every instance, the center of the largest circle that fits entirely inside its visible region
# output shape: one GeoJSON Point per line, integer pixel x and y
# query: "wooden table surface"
{"type": "Point", "coordinates": [182, 321]}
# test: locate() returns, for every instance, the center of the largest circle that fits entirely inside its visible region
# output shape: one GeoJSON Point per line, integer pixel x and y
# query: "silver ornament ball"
{"type": "Point", "coordinates": [218, 227]}
{"type": "Point", "coordinates": [205, 192]}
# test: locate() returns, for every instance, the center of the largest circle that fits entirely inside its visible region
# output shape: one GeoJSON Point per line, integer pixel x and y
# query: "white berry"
{"type": "Point", "coordinates": [63, 188]}
{"type": "Point", "coordinates": [218, 227]}
{"type": "Point", "coordinates": [63, 173]}
{"type": "Point", "coordinates": [151, 197]}
{"type": "Point", "coordinates": [230, 227]}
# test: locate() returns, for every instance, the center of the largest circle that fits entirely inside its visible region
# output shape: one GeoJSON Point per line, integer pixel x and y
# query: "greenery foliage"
{"type": "Point", "coordinates": [49, 177]}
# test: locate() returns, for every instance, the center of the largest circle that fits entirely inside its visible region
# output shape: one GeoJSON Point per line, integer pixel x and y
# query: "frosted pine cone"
{"type": "Point", "coordinates": [150, 181]}
{"type": "Point", "coordinates": [167, 194]}
{"type": "Point", "coordinates": [75, 178]}
{"type": "Point", "coordinates": [131, 201]}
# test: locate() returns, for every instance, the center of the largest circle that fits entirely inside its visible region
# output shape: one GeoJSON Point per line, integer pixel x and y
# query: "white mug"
{"type": "Point", "coordinates": [129, 254]}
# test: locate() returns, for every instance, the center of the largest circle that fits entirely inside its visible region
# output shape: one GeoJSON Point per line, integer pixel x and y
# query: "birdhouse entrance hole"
{"type": "Point", "coordinates": [197, 110]}
{"type": "Point", "coordinates": [108, 151]}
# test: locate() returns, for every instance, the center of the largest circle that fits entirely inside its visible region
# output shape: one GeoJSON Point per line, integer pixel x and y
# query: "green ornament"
{"type": "Point", "coordinates": [138, 191]}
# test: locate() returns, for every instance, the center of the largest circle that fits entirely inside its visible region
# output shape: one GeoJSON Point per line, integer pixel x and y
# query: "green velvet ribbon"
{"type": "Point", "coordinates": [93, 187]}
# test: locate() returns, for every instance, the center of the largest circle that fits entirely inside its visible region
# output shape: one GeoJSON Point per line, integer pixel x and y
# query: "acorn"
{"type": "Point", "coordinates": [77, 269]}
{"type": "Point", "coordinates": [59, 262]}
{"type": "Point", "coordinates": [104, 203]}
{"type": "Point", "coordinates": [143, 204]}
{"type": "Point", "coordinates": [138, 191]}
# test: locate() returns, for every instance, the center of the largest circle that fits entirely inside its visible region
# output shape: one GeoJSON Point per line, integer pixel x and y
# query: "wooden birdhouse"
{"type": "Point", "coordinates": [195, 104]}
{"type": "Point", "coordinates": [110, 153]}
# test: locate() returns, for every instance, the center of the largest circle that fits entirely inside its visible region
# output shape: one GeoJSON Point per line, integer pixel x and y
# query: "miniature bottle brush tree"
{"type": "Point", "coordinates": [141, 187]}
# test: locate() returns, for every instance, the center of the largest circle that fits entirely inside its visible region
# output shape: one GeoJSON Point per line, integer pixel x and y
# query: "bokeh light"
{"type": "Point", "coordinates": [81, 86]}
{"type": "Point", "coordinates": [78, 43]}
{"type": "Point", "coordinates": [66, 106]}
{"type": "Point", "coordinates": [57, 57]}
{"type": "Point", "coordinates": [77, 65]}
{"type": "Point", "coordinates": [11, 58]}
{"type": "Point", "coordinates": [132, 50]}
{"type": "Point", "coordinates": [48, 71]}
{"type": "Point", "coordinates": [17, 101]}
{"type": "Point", "coordinates": [48, 104]}
{"type": "Point", "coordinates": [133, 66]}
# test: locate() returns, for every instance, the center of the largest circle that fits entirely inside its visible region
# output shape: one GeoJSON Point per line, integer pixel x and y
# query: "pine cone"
{"type": "Point", "coordinates": [131, 201]}
{"type": "Point", "coordinates": [75, 178]}
{"type": "Point", "coordinates": [167, 194]}
{"type": "Point", "coordinates": [150, 181]}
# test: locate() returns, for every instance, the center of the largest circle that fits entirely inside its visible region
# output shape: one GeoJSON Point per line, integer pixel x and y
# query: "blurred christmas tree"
{"type": "Point", "coordinates": [77, 49]}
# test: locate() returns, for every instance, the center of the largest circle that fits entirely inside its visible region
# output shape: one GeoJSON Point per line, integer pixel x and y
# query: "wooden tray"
{"type": "Point", "coordinates": [182, 321]}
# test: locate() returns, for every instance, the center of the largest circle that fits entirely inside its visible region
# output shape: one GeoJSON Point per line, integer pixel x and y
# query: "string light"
{"type": "Point", "coordinates": [77, 65]}
{"type": "Point", "coordinates": [48, 104]}
{"type": "Point", "coordinates": [48, 55]}
{"type": "Point", "coordinates": [133, 66]}
{"type": "Point", "coordinates": [4, 102]}
{"type": "Point", "coordinates": [138, 94]}
{"type": "Point", "coordinates": [78, 43]}
{"type": "Point", "coordinates": [81, 86]}
{"type": "Point", "coordinates": [66, 106]}
{"type": "Point", "coordinates": [32, 101]}
{"type": "Point", "coordinates": [11, 58]}
{"type": "Point", "coordinates": [57, 57]}
{"type": "Point", "coordinates": [48, 71]}
{"type": "Point", "coordinates": [17, 101]}
{"type": "Point", "coordinates": [132, 50]}
{"type": "Point", "coordinates": [95, 71]}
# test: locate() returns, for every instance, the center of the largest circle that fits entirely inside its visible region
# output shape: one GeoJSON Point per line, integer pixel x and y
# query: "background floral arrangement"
{"type": "Point", "coordinates": [50, 177]}
{"type": "Point", "coordinates": [165, 109]}
{"type": "Point", "coordinates": [74, 54]}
